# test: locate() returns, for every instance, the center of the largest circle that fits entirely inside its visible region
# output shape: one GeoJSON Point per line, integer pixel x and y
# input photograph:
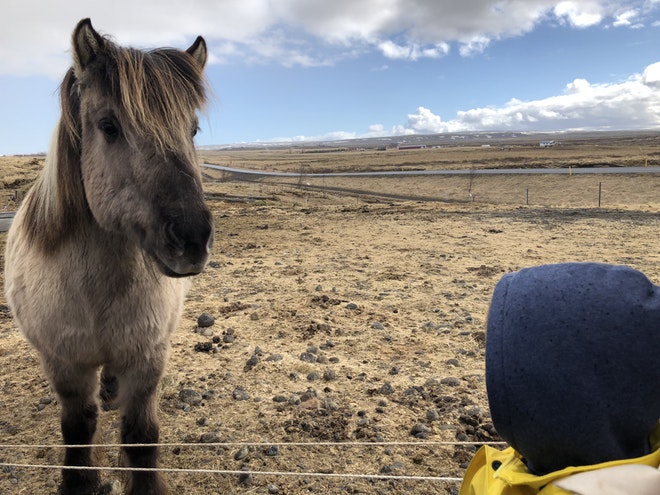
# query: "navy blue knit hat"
{"type": "Point", "coordinates": [573, 363]}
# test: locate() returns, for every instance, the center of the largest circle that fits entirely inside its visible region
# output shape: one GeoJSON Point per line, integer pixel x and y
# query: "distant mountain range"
{"type": "Point", "coordinates": [445, 139]}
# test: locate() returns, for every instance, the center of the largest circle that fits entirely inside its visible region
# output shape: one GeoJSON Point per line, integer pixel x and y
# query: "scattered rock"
{"type": "Point", "coordinates": [387, 389]}
{"type": "Point", "coordinates": [377, 325]}
{"type": "Point", "coordinates": [251, 363]}
{"type": "Point", "coordinates": [272, 451]}
{"type": "Point", "coordinates": [420, 430]}
{"type": "Point", "coordinates": [351, 306]}
{"type": "Point", "coordinates": [391, 468]}
{"type": "Point", "coordinates": [329, 375]}
{"type": "Point", "coordinates": [450, 381]}
{"type": "Point", "coordinates": [204, 347]}
{"type": "Point", "coordinates": [209, 394]}
{"type": "Point", "coordinates": [239, 393]}
{"type": "Point", "coordinates": [432, 414]}
{"type": "Point", "coordinates": [242, 453]}
{"type": "Point", "coordinates": [205, 320]}
{"type": "Point", "coordinates": [191, 397]}
{"type": "Point", "coordinates": [308, 357]}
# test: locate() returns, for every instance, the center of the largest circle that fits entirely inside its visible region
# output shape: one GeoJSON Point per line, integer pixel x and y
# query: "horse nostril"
{"type": "Point", "coordinates": [173, 240]}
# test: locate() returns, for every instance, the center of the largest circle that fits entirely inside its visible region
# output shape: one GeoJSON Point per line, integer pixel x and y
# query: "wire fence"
{"type": "Point", "coordinates": [224, 472]}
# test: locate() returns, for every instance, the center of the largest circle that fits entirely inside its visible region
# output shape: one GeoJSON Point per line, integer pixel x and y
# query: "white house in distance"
{"type": "Point", "coordinates": [547, 144]}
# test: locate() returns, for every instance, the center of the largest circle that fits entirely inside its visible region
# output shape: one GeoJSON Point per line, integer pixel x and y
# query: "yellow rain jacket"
{"type": "Point", "coordinates": [512, 477]}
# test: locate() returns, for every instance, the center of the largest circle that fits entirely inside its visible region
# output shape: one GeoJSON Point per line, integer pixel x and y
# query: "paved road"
{"type": "Point", "coordinates": [486, 171]}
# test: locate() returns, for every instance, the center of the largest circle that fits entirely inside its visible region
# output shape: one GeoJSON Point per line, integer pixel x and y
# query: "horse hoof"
{"type": "Point", "coordinates": [110, 487]}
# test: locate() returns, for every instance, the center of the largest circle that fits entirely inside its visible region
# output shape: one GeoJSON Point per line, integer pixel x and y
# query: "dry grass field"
{"type": "Point", "coordinates": [349, 311]}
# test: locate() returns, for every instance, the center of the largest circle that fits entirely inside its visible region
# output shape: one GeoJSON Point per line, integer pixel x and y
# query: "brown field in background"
{"type": "Point", "coordinates": [364, 304]}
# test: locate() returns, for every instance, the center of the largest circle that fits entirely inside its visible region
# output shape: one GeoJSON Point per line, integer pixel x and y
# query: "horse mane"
{"type": "Point", "coordinates": [156, 92]}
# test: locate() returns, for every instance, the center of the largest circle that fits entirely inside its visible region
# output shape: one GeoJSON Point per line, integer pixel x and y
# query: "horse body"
{"type": "Point", "coordinates": [99, 255]}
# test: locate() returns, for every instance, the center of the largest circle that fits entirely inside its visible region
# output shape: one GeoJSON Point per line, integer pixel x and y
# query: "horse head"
{"type": "Point", "coordinates": [133, 115]}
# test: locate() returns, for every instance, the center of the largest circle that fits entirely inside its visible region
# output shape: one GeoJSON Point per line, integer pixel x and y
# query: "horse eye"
{"type": "Point", "coordinates": [109, 129]}
{"type": "Point", "coordinates": [195, 130]}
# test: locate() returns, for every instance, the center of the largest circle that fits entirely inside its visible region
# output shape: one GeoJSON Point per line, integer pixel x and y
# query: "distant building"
{"type": "Point", "coordinates": [412, 146]}
{"type": "Point", "coordinates": [547, 144]}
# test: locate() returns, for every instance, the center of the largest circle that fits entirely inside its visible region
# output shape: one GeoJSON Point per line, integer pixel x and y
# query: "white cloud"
{"type": "Point", "coordinates": [626, 19]}
{"type": "Point", "coordinates": [632, 104]}
{"type": "Point", "coordinates": [413, 51]}
{"type": "Point", "coordinates": [581, 13]}
{"type": "Point", "coordinates": [317, 33]}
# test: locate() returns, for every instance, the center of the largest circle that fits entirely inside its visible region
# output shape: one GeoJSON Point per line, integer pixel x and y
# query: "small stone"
{"type": "Point", "coordinates": [207, 332]}
{"type": "Point", "coordinates": [308, 357]}
{"type": "Point", "coordinates": [273, 489]}
{"type": "Point", "coordinates": [272, 451]}
{"type": "Point", "coordinates": [210, 437]}
{"type": "Point", "coordinates": [254, 316]}
{"type": "Point", "coordinates": [190, 397]}
{"type": "Point", "coordinates": [432, 414]}
{"type": "Point", "coordinates": [203, 347]}
{"type": "Point", "coordinates": [377, 325]}
{"type": "Point", "coordinates": [308, 394]}
{"type": "Point", "coordinates": [275, 357]}
{"type": "Point", "coordinates": [390, 468]}
{"type": "Point", "coordinates": [329, 404]}
{"type": "Point", "coordinates": [351, 306]}
{"type": "Point", "coordinates": [387, 389]}
{"type": "Point", "coordinates": [205, 320]}
{"type": "Point", "coordinates": [420, 430]}
{"type": "Point", "coordinates": [202, 422]}
{"type": "Point", "coordinates": [228, 338]}
{"type": "Point", "coordinates": [279, 398]}
{"type": "Point", "coordinates": [240, 394]}
{"type": "Point", "coordinates": [242, 453]}
{"type": "Point", "coordinates": [252, 362]}
{"type": "Point", "coordinates": [450, 381]}
{"type": "Point", "coordinates": [452, 362]}
{"type": "Point", "coordinates": [209, 394]}
{"type": "Point", "coordinates": [329, 375]}
{"type": "Point", "coordinates": [313, 376]}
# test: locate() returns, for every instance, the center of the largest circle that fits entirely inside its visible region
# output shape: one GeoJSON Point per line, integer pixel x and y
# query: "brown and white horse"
{"type": "Point", "coordinates": [100, 253]}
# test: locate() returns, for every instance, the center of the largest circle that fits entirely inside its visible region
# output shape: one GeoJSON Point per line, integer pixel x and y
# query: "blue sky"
{"type": "Point", "coordinates": [303, 70]}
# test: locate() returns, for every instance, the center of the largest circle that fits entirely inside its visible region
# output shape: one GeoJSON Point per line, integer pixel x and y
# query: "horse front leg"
{"type": "Point", "coordinates": [139, 425]}
{"type": "Point", "coordinates": [76, 390]}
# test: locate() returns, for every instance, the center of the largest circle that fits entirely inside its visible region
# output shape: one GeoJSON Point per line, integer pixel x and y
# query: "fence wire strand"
{"type": "Point", "coordinates": [447, 479]}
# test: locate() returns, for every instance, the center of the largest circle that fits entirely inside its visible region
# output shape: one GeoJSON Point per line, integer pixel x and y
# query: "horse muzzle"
{"type": "Point", "coordinates": [185, 245]}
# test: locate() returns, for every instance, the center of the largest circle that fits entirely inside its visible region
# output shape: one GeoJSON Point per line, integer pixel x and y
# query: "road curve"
{"type": "Point", "coordinates": [485, 171]}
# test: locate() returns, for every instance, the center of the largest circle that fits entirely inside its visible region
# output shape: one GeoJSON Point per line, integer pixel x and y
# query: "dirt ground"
{"type": "Point", "coordinates": [339, 318]}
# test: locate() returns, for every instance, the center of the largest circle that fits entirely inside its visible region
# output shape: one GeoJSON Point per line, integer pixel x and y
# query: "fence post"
{"type": "Point", "coordinates": [600, 192]}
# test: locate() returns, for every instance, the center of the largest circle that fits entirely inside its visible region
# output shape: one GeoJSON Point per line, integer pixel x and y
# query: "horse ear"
{"type": "Point", "coordinates": [87, 44]}
{"type": "Point", "coordinates": [198, 51]}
